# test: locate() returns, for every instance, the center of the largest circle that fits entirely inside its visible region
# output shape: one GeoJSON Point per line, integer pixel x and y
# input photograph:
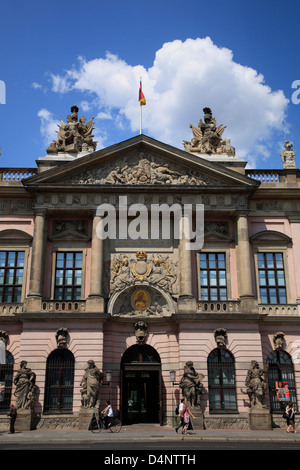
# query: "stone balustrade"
{"type": "Point", "coordinates": [11, 308]}
{"type": "Point", "coordinates": [15, 175]}
{"type": "Point", "coordinates": [228, 306]}
{"type": "Point", "coordinates": [286, 309]}
{"type": "Point", "coordinates": [63, 306]}
{"type": "Point", "coordinates": [265, 176]}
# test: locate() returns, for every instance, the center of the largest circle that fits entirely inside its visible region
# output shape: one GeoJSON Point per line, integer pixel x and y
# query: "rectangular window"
{"type": "Point", "coordinates": [271, 278]}
{"type": "Point", "coordinates": [11, 275]}
{"type": "Point", "coordinates": [213, 276]}
{"type": "Point", "coordinates": [68, 276]}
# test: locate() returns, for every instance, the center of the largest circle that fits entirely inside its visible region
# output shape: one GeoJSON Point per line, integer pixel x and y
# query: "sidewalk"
{"type": "Point", "coordinates": [147, 432]}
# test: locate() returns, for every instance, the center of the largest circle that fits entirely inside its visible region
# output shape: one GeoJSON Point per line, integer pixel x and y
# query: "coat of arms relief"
{"type": "Point", "coordinates": [141, 281]}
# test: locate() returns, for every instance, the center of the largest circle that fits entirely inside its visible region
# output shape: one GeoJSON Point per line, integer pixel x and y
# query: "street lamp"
{"type": "Point", "coordinates": [172, 377]}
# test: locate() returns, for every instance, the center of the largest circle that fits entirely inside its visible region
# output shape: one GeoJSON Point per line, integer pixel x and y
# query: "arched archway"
{"type": "Point", "coordinates": [59, 383]}
{"type": "Point", "coordinates": [281, 374]}
{"type": "Point", "coordinates": [141, 385]}
{"type": "Point", "coordinates": [221, 381]}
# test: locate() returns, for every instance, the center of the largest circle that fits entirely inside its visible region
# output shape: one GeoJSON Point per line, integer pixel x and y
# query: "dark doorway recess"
{"type": "Point", "coordinates": [141, 385]}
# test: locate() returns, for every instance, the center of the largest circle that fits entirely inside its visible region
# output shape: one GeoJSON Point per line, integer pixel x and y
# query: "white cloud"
{"type": "Point", "coordinates": [184, 78]}
{"type": "Point", "coordinates": [48, 126]}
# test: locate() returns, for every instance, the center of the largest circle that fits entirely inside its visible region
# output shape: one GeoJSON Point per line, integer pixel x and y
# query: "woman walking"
{"type": "Point", "coordinates": [290, 421]}
{"type": "Point", "coordinates": [186, 418]}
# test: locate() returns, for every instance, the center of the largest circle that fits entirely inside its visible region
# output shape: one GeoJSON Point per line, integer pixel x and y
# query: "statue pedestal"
{"type": "Point", "coordinates": [260, 419]}
{"type": "Point", "coordinates": [85, 415]}
{"type": "Point", "coordinates": [198, 423]}
{"type": "Point", "coordinates": [24, 420]}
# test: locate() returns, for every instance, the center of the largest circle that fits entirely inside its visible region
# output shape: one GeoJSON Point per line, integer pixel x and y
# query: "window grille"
{"type": "Point", "coordinates": [59, 384]}
{"type": "Point", "coordinates": [213, 276]}
{"type": "Point", "coordinates": [6, 378]}
{"type": "Point", "coordinates": [280, 372]}
{"type": "Point", "coordinates": [221, 381]}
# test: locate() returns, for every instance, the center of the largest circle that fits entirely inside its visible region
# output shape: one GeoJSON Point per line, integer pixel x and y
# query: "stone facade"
{"type": "Point", "coordinates": [140, 309]}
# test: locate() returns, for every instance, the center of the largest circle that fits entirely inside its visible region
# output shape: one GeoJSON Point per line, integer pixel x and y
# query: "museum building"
{"type": "Point", "coordinates": [86, 284]}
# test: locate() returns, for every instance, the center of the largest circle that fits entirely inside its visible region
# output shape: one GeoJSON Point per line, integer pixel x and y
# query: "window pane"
{"type": "Point", "coordinates": [262, 278]}
{"type": "Point", "coordinates": [213, 278]}
{"type": "Point", "coordinates": [223, 294]}
{"type": "Point", "coordinates": [17, 294]}
{"type": "Point", "coordinates": [78, 260]}
{"type": "Point", "coordinates": [11, 258]}
{"type": "Point", "coordinates": [59, 277]}
{"type": "Point", "coordinates": [69, 260]}
{"type": "Point", "coordinates": [214, 294]}
{"type": "Point", "coordinates": [19, 276]}
{"type": "Point", "coordinates": [203, 279]}
{"type": "Point", "coordinates": [2, 258]}
{"type": "Point", "coordinates": [20, 259]}
{"type": "Point", "coordinates": [271, 278]}
{"type": "Point", "coordinates": [260, 260]}
{"type": "Point", "coordinates": [60, 260]}
{"type": "Point", "coordinates": [212, 260]}
{"type": "Point", "coordinates": [270, 260]}
{"type": "Point", "coordinates": [204, 294]}
{"type": "Point", "coordinates": [280, 278]}
{"type": "Point", "coordinates": [222, 278]}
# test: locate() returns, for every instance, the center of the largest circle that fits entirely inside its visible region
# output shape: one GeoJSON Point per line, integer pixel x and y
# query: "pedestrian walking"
{"type": "Point", "coordinates": [290, 420]}
{"type": "Point", "coordinates": [12, 415]}
{"type": "Point", "coordinates": [108, 414]}
{"type": "Point", "coordinates": [180, 410]}
{"type": "Point", "coordinates": [186, 418]}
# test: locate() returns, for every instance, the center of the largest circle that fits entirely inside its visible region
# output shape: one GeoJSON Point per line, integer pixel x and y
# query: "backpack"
{"type": "Point", "coordinates": [177, 410]}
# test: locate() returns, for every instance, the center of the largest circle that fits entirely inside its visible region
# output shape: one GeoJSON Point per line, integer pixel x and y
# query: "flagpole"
{"type": "Point", "coordinates": [140, 119]}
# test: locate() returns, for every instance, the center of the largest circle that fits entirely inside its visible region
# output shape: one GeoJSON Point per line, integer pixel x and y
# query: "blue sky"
{"type": "Point", "coordinates": [239, 58]}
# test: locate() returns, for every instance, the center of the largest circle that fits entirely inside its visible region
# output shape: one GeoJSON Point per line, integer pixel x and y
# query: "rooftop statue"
{"type": "Point", "coordinates": [207, 137]}
{"type": "Point", "coordinates": [288, 155]}
{"type": "Point", "coordinates": [74, 136]}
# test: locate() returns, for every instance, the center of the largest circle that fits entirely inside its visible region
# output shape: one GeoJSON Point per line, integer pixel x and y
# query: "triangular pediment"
{"type": "Point", "coordinates": [141, 161]}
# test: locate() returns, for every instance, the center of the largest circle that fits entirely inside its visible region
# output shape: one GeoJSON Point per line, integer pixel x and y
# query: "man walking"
{"type": "Point", "coordinates": [12, 415]}
{"type": "Point", "coordinates": [180, 409]}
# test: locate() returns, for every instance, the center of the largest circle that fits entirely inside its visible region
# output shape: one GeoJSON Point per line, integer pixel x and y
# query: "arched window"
{"type": "Point", "coordinates": [6, 380]}
{"type": "Point", "coordinates": [221, 381]}
{"type": "Point", "coordinates": [59, 383]}
{"type": "Point", "coordinates": [281, 374]}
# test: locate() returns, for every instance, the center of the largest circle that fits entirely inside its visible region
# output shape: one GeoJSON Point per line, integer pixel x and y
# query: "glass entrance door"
{"type": "Point", "coordinates": [141, 396]}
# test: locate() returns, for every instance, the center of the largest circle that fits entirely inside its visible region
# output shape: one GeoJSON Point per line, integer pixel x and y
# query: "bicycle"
{"type": "Point", "coordinates": [96, 424]}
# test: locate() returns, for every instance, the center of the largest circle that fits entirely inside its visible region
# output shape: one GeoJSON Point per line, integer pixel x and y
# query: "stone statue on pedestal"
{"type": "Point", "coordinates": [90, 383]}
{"type": "Point", "coordinates": [25, 387]}
{"type": "Point", "coordinates": [256, 386]}
{"type": "Point", "coordinates": [191, 385]}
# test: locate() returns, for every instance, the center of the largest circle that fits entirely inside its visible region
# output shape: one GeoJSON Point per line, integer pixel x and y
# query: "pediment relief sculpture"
{"type": "Point", "coordinates": [70, 229]}
{"type": "Point", "coordinates": [142, 169]}
{"type": "Point", "coordinates": [207, 137]}
{"type": "Point", "coordinates": [157, 270]}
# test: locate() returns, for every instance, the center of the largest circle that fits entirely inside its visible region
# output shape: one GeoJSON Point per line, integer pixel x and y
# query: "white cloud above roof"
{"type": "Point", "coordinates": [185, 77]}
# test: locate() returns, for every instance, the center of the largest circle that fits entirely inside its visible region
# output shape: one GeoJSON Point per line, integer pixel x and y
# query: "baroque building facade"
{"type": "Point", "coordinates": [138, 316]}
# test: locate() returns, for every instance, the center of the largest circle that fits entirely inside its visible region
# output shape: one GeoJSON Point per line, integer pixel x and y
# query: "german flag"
{"type": "Point", "coordinates": [142, 98]}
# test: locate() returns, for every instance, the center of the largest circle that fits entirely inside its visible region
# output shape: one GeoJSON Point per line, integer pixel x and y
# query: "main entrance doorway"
{"type": "Point", "coordinates": [141, 385]}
